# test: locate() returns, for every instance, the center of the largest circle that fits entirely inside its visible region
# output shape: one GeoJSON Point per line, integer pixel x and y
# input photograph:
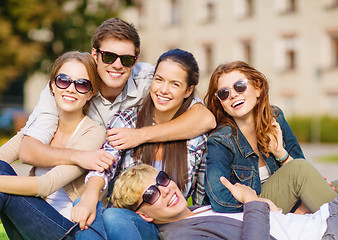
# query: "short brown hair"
{"type": "Point", "coordinates": [87, 60]}
{"type": "Point", "coordinates": [130, 185]}
{"type": "Point", "coordinates": [118, 29]}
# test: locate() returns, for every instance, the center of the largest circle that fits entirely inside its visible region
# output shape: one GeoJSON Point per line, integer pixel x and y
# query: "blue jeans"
{"type": "Point", "coordinates": [119, 224]}
{"type": "Point", "coordinates": [125, 224]}
{"type": "Point", "coordinates": [26, 217]}
{"type": "Point", "coordinates": [96, 230]}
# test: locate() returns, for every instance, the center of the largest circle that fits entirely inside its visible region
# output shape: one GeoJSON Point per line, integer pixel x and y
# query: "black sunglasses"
{"type": "Point", "coordinates": [109, 58]}
{"type": "Point", "coordinates": [82, 85]}
{"type": "Point", "coordinates": [152, 194]}
{"type": "Point", "coordinates": [240, 86]}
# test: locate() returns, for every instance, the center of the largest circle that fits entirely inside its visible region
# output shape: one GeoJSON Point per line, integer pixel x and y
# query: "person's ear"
{"type": "Point", "coordinates": [145, 216]}
{"type": "Point", "coordinates": [94, 54]}
{"type": "Point", "coordinates": [189, 91]}
{"type": "Point", "coordinates": [53, 87]}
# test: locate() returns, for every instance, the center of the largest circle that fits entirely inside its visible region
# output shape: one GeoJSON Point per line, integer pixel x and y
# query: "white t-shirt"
{"type": "Point", "coordinates": [284, 226]}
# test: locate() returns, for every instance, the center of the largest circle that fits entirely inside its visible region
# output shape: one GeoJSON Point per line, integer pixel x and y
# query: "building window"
{"type": "Point", "coordinates": [210, 8]}
{"type": "Point", "coordinates": [247, 51]}
{"type": "Point", "coordinates": [286, 57]}
{"type": "Point", "coordinates": [208, 53]}
{"type": "Point", "coordinates": [175, 15]}
{"type": "Point", "coordinates": [334, 44]}
{"type": "Point", "coordinates": [243, 8]}
{"type": "Point", "coordinates": [286, 6]}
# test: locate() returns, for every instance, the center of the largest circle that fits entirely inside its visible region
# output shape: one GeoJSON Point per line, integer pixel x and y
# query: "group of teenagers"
{"type": "Point", "coordinates": [118, 146]}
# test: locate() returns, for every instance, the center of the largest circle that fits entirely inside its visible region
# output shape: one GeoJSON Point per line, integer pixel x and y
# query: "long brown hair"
{"type": "Point", "coordinates": [174, 152]}
{"type": "Point", "coordinates": [263, 112]}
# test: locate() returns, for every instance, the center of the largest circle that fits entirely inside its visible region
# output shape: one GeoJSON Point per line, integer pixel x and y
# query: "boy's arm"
{"type": "Point", "coordinates": [35, 153]}
{"type": "Point", "coordinates": [194, 122]}
{"type": "Point", "coordinates": [9, 152]}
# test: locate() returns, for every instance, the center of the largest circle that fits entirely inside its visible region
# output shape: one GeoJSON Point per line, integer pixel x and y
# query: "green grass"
{"type": "Point", "coordinates": [3, 235]}
{"type": "Point", "coordinates": [333, 158]}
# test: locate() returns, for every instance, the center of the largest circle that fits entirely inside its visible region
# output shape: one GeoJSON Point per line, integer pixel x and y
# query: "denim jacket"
{"type": "Point", "coordinates": [231, 156]}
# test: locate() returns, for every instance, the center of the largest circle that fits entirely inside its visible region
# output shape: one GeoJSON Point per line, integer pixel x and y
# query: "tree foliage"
{"type": "Point", "coordinates": [33, 33]}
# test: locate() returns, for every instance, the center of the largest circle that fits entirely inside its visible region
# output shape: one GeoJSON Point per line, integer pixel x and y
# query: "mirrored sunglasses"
{"type": "Point", "coordinates": [110, 57]}
{"type": "Point", "coordinates": [152, 194]}
{"type": "Point", "coordinates": [240, 86]}
{"type": "Point", "coordinates": [82, 85]}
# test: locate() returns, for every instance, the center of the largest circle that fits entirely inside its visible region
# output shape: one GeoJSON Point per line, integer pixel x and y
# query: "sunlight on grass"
{"type": "Point", "coordinates": [3, 235]}
{"type": "Point", "coordinates": [333, 158]}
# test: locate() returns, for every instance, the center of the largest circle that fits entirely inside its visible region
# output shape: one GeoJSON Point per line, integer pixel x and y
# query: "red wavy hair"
{"type": "Point", "coordinates": [263, 112]}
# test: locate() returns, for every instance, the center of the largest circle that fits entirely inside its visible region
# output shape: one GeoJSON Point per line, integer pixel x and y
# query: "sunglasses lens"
{"type": "Point", "coordinates": [108, 57]}
{"type": "Point", "coordinates": [223, 94]}
{"type": "Point", "coordinates": [83, 85]}
{"type": "Point", "coordinates": [127, 60]}
{"type": "Point", "coordinates": [62, 81]}
{"type": "Point", "coordinates": [162, 179]}
{"type": "Point", "coordinates": [240, 86]}
{"type": "Point", "coordinates": [151, 195]}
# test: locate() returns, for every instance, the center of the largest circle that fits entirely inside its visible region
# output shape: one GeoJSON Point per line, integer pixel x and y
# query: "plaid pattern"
{"type": "Point", "coordinates": [196, 157]}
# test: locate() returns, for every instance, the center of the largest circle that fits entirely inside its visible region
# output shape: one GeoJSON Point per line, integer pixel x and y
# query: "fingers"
{"type": "Point", "coordinates": [225, 182]}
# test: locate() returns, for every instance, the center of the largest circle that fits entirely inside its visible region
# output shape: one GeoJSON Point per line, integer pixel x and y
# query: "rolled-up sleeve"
{"type": "Point", "coordinates": [43, 121]}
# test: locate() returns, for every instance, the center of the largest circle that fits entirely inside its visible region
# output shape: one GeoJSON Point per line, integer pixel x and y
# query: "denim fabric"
{"type": "Point", "coordinates": [26, 217]}
{"type": "Point", "coordinates": [118, 223]}
{"type": "Point", "coordinates": [96, 230]}
{"type": "Point", "coordinates": [230, 155]}
{"type": "Point", "coordinates": [124, 224]}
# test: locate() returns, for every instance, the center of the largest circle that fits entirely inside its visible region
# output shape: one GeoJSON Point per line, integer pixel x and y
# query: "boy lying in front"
{"type": "Point", "coordinates": [156, 198]}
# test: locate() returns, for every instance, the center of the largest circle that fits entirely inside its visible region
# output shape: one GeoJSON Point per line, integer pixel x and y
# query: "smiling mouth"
{"type": "Point", "coordinates": [68, 98]}
{"type": "Point", "coordinates": [237, 103]}
{"type": "Point", "coordinates": [173, 200]}
{"type": "Point", "coordinates": [163, 98]}
{"type": "Point", "coordinates": [115, 75]}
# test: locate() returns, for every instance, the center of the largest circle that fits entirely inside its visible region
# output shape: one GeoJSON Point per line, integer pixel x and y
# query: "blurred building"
{"type": "Point", "coordinates": [293, 42]}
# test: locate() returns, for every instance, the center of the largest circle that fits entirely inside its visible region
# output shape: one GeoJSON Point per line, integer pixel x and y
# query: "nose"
{"type": "Point", "coordinates": [117, 64]}
{"type": "Point", "coordinates": [165, 88]}
{"type": "Point", "coordinates": [71, 87]}
{"type": "Point", "coordinates": [232, 93]}
{"type": "Point", "coordinates": [164, 190]}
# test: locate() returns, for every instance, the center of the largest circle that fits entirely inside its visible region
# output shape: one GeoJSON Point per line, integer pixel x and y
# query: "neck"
{"type": "Point", "coordinates": [185, 214]}
{"type": "Point", "coordinates": [69, 121]}
{"type": "Point", "coordinates": [246, 125]}
{"type": "Point", "coordinates": [110, 93]}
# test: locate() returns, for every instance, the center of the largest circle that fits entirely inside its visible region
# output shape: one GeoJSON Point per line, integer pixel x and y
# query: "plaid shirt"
{"type": "Point", "coordinates": [196, 157]}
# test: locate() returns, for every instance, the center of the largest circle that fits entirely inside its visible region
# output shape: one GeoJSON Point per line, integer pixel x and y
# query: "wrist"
{"type": "Point", "coordinates": [280, 154]}
{"type": "Point", "coordinates": [145, 134]}
{"type": "Point", "coordinates": [283, 159]}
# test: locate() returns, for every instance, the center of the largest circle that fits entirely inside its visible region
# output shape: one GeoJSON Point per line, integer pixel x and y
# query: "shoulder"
{"type": "Point", "coordinates": [125, 117]}
{"type": "Point", "coordinates": [143, 70]}
{"type": "Point", "coordinates": [199, 142]}
{"type": "Point", "coordinates": [222, 137]}
{"type": "Point", "coordinates": [90, 124]}
{"type": "Point", "coordinates": [222, 133]}
{"type": "Point", "coordinates": [278, 113]}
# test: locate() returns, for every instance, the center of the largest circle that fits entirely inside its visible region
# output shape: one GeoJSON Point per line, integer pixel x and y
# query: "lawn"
{"type": "Point", "coordinates": [3, 235]}
{"type": "Point", "coordinates": [333, 158]}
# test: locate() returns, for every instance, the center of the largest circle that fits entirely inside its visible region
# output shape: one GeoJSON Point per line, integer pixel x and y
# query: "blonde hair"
{"type": "Point", "coordinates": [130, 185]}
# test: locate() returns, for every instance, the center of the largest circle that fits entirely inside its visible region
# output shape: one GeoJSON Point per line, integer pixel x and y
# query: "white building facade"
{"type": "Point", "coordinates": [293, 42]}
